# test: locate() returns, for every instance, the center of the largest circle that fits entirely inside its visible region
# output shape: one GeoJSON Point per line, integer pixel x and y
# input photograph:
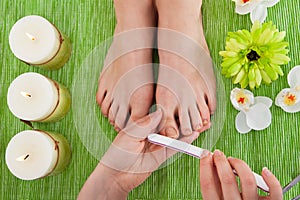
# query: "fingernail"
{"type": "Point", "coordinates": [230, 158]}
{"type": "Point", "coordinates": [171, 132]}
{"type": "Point", "coordinates": [266, 171]}
{"type": "Point", "coordinates": [218, 152]}
{"type": "Point", "coordinates": [205, 122]}
{"type": "Point", "coordinates": [205, 153]}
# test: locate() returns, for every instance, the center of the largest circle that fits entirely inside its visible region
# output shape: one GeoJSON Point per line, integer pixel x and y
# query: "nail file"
{"type": "Point", "coordinates": [197, 152]}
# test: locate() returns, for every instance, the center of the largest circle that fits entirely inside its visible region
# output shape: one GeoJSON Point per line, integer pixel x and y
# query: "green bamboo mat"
{"type": "Point", "coordinates": [89, 23]}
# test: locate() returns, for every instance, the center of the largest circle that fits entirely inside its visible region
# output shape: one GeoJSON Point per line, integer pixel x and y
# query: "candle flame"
{"type": "Point", "coordinates": [25, 94]}
{"type": "Point", "coordinates": [23, 157]}
{"type": "Point", "coordinates": [30, 36]}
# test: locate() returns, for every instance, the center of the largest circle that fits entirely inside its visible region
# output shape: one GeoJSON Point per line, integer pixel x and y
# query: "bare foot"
{"type": "Point", "coordinates": [126, 82]}
{"type": "Point", "coordinates": [186, 82]}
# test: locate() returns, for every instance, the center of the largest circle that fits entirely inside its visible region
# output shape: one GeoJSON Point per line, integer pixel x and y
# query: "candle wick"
{"type": "Point", "coordinates": [26, 156]}
{"type": "Point", "coordinates": [30, 36]}
{"type": "Point", "coordinates": [25, 94]}
{"type": "Point", "coordinates": [23, 157]}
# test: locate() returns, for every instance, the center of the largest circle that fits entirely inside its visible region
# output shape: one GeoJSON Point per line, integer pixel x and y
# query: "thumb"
{"type": "Point", "coordinates": [143, 127]}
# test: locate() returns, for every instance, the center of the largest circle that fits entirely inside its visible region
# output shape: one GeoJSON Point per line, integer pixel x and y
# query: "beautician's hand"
{"type": "Point", "coordinates": [129, 161]}
{"type": "Point", "coordinates": [218, 181]}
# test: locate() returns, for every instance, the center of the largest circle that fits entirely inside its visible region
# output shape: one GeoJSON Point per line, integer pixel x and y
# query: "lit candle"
{"type": "Point", "coordinates": [34, 154]}
{"type": "Point", "coordinates": [34, 97]}
{"type": "Point", "coordinates": [36, 41]}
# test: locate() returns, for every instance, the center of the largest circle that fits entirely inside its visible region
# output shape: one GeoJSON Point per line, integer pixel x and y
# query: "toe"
{"type": "Point", "coordinates": [138, 110]}
{"type": "Point", "coordinates": [196, 119]}
{"type": "Point", "coordinates": [101, 93]}
{"type": "Point", "coordinates": [121, 118]}
{"type": "Point", "coordinates": [140, 102]}
{"type": "Point", "coordinates": [170, 128]}
{"type": "Point", "coordinates": [185, 122]}
{"type": "Point", "coordinates": [204, 111]}
{"type": "Point", "coordinates": [212, 104]}
{"type": "Point", "coordinates": [105, 105]}
{"type": "Point", "coordinates": [113, 112]}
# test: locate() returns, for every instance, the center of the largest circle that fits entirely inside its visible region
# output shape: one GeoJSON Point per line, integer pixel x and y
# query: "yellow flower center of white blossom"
{"type": "Point", "coordinates": [289, 99]}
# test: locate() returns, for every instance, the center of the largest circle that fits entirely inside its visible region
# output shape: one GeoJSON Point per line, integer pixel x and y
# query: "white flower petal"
{"type": "Point", "coordinates": [259, 13]}
{"type": "Point", "coordinates": [236, 93]}
{"type": "Point", "coordinates": [259, 117]}
{"type": "Point", "coordinates": [265, 100]}
{"type": "Point", "coordinates": [279, 100]}
{"type": "Point", "coordinates": [291, 109]}
{"type": "Point", "coordinates": [245, 8]}
{"type": "Point", "coordinates": [241, 123]}
{"type": "Point", "coordinates": [294, 76]}
{"type": "Point", "coordinates": [269, 3]}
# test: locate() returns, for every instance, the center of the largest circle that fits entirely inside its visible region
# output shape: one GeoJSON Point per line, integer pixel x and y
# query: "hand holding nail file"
{"type": "Point", "coordinates": [194, 151]}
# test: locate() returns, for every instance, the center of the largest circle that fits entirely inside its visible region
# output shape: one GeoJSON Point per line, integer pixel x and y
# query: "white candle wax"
{"type": "Point", "coordinates": [34, 97]}
{"type": "Point", "coordinates": [36, 41]}
{"type": "Point", "coordinates": [35, 154]}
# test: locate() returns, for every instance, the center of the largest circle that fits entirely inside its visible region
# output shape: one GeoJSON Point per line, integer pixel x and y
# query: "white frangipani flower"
{"type": "Point", "coordinates": [256, 8]}
{"type": "Point", "coordinates": [254, 111]}
{"type": "Point", "coordinates": [289, 98]}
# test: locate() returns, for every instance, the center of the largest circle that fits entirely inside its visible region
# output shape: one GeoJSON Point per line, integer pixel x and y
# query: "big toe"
{"type": "Point", "coordinates": [105, 105]}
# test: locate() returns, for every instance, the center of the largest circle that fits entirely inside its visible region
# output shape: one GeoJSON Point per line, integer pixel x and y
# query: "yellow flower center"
{"type": "Point", "coordinates": [241, 98]}
{"type": "Point", "coordinates": [289, 99]}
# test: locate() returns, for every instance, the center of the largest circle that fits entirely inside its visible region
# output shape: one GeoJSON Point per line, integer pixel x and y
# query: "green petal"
{"type": "Point", "coordinates": [271, 72]}
{"type": "Point", "coordinates": [244, 82]}
{"type": "Point", "coordinates": [252, 84]}
{"type": "Point", "coordinates": [239, 76]}
{"type": "Point", "coordinates": [277, 68]}
{"type": "Point", "coordinates": [280, 59]}
{"type": "Point", "coordinates": [234, 69]}
{"type": "Point", "coordinates": [251, 74]}
{"type": "Point", "coordinates": [228, 53]}
{"type": "Point", "coordinates": [265, 77]}
{"type": "Point", "coordinates": [230, 61]}
{"type": "Point", "coordinates": [258, 77]}
{"type": "Point", "coordinates": [265, 37]}
{"type": "Point", "coordinates": [278, 37]}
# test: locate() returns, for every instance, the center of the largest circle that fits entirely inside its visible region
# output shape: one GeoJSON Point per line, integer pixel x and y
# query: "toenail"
{"type": "Point", "coordinates": [198, 127]}
{"type": "Point", "coordinates": [205, 122]}
{"type": "Point", "coordinates": [117, 129]}
{"type": "Point", "coordinates": [187, 132]}
{"type": "Point", "coordinates": [171, 132]}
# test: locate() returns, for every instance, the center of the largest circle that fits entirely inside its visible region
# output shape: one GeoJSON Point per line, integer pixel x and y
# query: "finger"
{"type": "Point", "coordinates": [143, 127]}
{"type": "Point", "coordinates": [247, 179]}
{"type": "Point", "coordinates": [227, 178]}
{"type": "Point", "coordinates": [275, 192]}
{"type": "Point", "coordinates": [210, 186]}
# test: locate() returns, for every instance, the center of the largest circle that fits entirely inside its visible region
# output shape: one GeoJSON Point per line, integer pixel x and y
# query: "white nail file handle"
{"type": "Point", "coordinates": [196, 152]}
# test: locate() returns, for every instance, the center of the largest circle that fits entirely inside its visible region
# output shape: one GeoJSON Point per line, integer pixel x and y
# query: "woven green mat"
{"type": "Point", "coordinates": [90, 22]}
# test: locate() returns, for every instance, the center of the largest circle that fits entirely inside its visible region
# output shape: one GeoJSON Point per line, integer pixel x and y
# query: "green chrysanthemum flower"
{"type": "Point", "coordinates": [251, 58]}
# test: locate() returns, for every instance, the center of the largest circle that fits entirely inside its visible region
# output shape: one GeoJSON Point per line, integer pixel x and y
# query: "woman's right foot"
{"type": "Point", "coordinates": [126, 81]}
